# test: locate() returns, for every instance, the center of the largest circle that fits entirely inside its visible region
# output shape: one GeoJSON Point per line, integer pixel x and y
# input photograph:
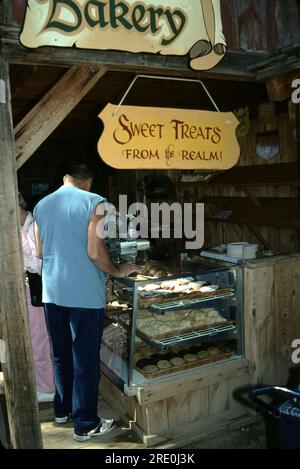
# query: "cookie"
{"type": "Point", "coordinates": [150, 369]}
{"type": "Point", "coordinates": [190, 357]}
{"type": "Point", "coordinates": [202, 354]}
{"type": "Point", "coordinates": [213, 351]}
{"type": "Point", "coordinates": [164, 364]}
{"type": "Point", "coordinates": [177, 361]}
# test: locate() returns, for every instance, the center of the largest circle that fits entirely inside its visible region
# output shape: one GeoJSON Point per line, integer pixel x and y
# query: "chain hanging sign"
{"type": "Point", "coordinates": [160, 138]}
{"type": "Point", "coordinates": [181, 27]}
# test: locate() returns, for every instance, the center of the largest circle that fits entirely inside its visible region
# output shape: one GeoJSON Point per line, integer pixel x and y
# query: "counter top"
{"type": "Point", "coordinates": [271, 260]}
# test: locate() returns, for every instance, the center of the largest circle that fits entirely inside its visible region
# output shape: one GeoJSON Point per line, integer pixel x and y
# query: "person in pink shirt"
{"type": "Point", "coordinates": [41, 348]}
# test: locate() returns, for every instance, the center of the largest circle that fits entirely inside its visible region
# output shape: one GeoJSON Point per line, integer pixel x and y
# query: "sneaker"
{"type": "Point", "coordinates": [44, 397]}
{"type": "Point", "coordinates": [105, 426]}
{"type": "Point", "coordinates": [61, 420]}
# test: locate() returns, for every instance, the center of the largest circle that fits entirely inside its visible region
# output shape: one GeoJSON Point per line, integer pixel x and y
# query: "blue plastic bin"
{"type": "Point", "coordinates": [287, 415]}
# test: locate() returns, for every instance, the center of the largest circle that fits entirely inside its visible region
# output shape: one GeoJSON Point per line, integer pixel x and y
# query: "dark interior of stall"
{"type": "Point", "coordinates": [257, 201]}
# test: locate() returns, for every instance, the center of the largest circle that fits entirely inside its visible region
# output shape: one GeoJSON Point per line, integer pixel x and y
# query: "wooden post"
{"type": "Point", "coordinates": [19, 381]}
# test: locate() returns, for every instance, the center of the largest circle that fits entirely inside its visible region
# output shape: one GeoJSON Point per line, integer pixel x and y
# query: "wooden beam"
{"type": "Point", "coordinates": [277, 175]}
{"type": "Point", "coordinates": [234, 66]}
{"type": "Point", "coordinates": [287, 61]}
{"type": "Point", "coordinates": [46, 116]}
{"type": "Point", "coordinates": [19, 382]}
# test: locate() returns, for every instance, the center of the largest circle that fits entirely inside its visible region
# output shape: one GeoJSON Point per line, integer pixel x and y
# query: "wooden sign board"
{"type": "Point", "coordinates": [160, 138]}
{"type": "Point", "coordinates": [171, 27]}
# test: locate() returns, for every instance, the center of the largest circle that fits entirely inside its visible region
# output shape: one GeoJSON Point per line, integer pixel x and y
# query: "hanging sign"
{"type": "Point", "coordinates": [171, 27]}
{"type": "Point", "coordinates": [159, 138]}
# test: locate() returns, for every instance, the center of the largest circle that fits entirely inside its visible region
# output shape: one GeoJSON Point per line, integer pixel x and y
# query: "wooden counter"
{"type": "Point", "coordinates": [207, 399]}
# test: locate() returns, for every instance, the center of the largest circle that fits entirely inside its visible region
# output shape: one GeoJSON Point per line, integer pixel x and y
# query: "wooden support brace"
{"type": "Point", "coordinates": [46, 116]}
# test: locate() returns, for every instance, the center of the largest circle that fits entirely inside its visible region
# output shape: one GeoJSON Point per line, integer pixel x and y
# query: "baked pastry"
{"type": "Point", "coordinates": [184, 281]}
{"type": "Point", "coordinates": [185, 324]}
{"type": "Point", "coordinates": [180, 289]}
{"type": "Point", "coordinates": [164, 364]}
{"type": "Point", "coordinates": [213, 351]}
{"type": "Point", "coordinates": [150, 287]}
{"type": "Point", "coordinates": [116, 305]}
{"type": "Point", "coordinates": [202, 354]}
{"type": "Point", "coordinates": [150, 369]}
{"type": "Point", "coordinates": [137, 356]}
{"type": "Point", "coordinates": [177, 361]}
{"type": "Point", "coordinates": [190, 357]}
{"type": "Point", "coordinates": [194, 286]}
{"type": "Point", "coordinates": [209, 289]}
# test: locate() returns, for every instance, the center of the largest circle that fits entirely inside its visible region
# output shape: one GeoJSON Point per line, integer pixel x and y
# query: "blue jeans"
{"type": "Point", "coordinates": [76, 337]}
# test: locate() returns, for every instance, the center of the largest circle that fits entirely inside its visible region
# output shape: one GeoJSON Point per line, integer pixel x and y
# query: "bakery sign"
{"type": "Point", "coordinates": [160, 138]}
{"type": "Point", "coordinates": [169, 27]}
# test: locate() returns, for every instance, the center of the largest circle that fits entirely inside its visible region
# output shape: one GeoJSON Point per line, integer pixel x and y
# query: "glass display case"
{"type": "Point", "coordinates": [163, 324]}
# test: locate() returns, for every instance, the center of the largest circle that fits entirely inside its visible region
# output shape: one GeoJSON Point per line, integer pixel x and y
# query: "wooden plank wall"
{"type": "Point", "coordinates": [281, 240]}
{"type": "Point", "coordinates": [272, 319]}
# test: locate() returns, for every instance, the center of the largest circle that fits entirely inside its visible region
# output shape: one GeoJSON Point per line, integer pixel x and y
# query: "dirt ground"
{"type": "Point", "coordinates": [253, 437]}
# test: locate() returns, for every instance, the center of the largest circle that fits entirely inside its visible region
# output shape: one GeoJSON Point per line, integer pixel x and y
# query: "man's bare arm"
{"type": "Point", "coordinates": [98, 252]}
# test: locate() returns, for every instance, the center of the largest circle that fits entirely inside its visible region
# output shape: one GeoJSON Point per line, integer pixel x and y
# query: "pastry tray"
{"type": "Point", "coordinates": [188, 336]}
{"type": "Point", "coordinates": [181, 336]}
{"type": "Point", "coordinates": [183, 297]}
{"type": "Point", "coordinates": [224, 354]}
{"type": "Point", "coordinates": [164, 306]}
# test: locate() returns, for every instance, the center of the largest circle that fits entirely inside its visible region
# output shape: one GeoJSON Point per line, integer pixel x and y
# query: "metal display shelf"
{"type": "Point", "coordinates": [187, 338]}
{"type": "Point", "coordinates": [227, 301]}
{"type": "Point", "coordinates": [161, 308]}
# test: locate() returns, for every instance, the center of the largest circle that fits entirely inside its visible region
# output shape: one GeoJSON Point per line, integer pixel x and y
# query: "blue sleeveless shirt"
{"type": "Point", "coordinates": [69, 277]}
